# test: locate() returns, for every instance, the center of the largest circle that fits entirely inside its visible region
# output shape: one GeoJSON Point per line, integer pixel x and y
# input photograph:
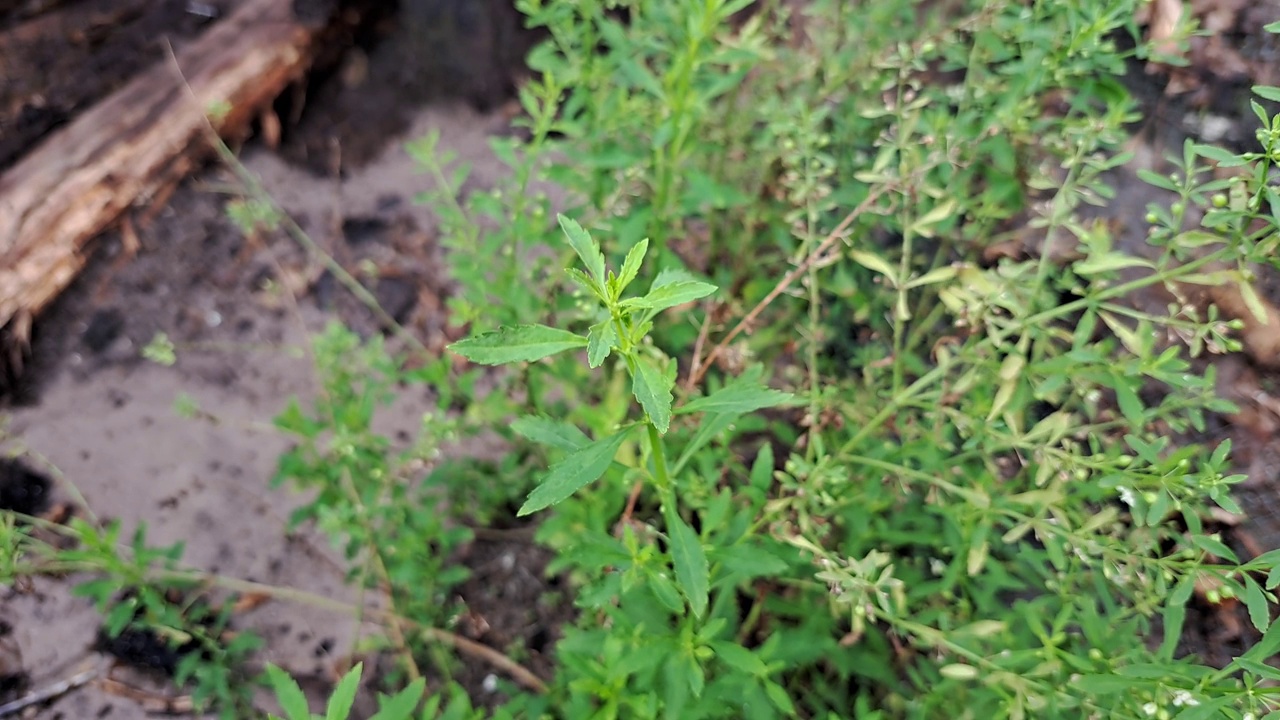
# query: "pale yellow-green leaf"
{"type": "Point", "coordinates": [936, 275]}
{"type": "Point", "coordinates": [924, 225]}
{"type": "Point", "coordinates": [1251, 300]}
{"type": "Point", "coordinates": [959, 671]}
{"type": "Point", "coordinates": [977, 558]}
{"type": "Point", "coordinates": [875, 263]}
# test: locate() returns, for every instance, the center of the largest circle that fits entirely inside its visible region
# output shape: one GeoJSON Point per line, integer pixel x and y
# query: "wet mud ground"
{"type": "Point", "coordinates": [90, 407]}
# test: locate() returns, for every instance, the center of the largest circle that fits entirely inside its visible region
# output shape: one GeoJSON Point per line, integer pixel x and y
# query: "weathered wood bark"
{"type": "Point", "coordinates": [135, 142]}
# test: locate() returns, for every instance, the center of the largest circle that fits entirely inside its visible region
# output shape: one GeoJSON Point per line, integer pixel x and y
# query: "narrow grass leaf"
{"type": "Point", "coordinates": [652, 388]}
{"type": "Point", "coordinates": [587, 249]}
{"type": "Point", "coordinates": [690, 561]}
{"type": "Point", "coordinates": [667, 296]}
{"type": "Point", "coordinates": [344, 695]}
{"type": "Point", "coordinates": [571, 474]}
{"type": "Point", "coordinates": [521, 343]}
{"type": "Point", "coordinates": [552, 433]}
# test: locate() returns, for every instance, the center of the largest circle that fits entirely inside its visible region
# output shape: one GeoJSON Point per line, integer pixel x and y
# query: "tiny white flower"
{"type": "Point", "coordinates": [1249, 716]}
{"type": "Point", "coordinates": [1150, 709]}
{"type": "Point", "coordinates": [1126, 495]}
{"type": "Point", "coordinates": [1182, 697]}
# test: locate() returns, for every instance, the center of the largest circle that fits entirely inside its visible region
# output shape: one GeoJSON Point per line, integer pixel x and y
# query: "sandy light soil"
{"type": "Point", "coordinates": [106, 419]}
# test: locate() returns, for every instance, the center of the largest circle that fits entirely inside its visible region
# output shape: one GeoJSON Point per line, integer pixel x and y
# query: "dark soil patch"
{"type": "Point", "coordinates": [511, 605]}
{"type": "Point", "coordinates": [428, 51]}
{"type": "Point", "coordinates": [22, 490]}
{"type": "Point", "coordinates": [13, 679]}
{"type": "Point", "coordinates": [65, 58]}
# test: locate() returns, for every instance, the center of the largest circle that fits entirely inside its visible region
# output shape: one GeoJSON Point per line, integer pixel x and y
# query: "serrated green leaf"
{"type": "Point", "coordinates": [588, 285]}
{"type": "Point", "coordinates": [665, 590]}
{"type": "Point", "coordinates": [652, 388]}
{"type": "Point", "coordinates": [601, 340]}
{"type": "Point", "coordinates": [631, 266]}
{"type": "Point", "coordinates": [401, 705]}
{"type": "Point", "coordinates": [521, 343]}
{"type": "Point", "coordinates": [689, 560]}
{"type": "Point", "coordinates": [571, 474]}
{"type": "Point", "coordinates": [671, 295]}
{"type": "Point", "coordinates": [344, 695]}
{"type": "Point", "coordinates": [778, 696]}
{"type": "Point", "coordinates": [588, 250]}
{"type": "Point", "coordinates": [553, 433]}
{"type": "Point", "coordinates": [1267, 646]}
{"type": "Point", "coordinates": [670, 276]}
{"type": "Point", "coordinates": [745, 394]}
{"type": "Point", "coordinates": [1255, 599]}
{"type": "Point", "coordinates": [288, 694]}
{"type": "Point", "coordinates": [739, 658]}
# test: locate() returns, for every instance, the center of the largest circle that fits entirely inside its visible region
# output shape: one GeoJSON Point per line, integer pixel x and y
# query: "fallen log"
{"type": "Point", "coordinates": [136, 142]}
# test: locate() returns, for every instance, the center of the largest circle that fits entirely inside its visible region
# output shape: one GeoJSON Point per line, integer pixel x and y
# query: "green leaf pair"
{"type": "Point", "coordinates": [623, 329]}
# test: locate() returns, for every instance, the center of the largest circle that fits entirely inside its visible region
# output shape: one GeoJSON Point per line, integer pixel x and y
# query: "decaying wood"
{"type": "Point", "coordinates": [135, 142]}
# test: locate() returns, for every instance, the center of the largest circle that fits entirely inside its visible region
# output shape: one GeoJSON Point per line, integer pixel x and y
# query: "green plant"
{"type": "Point", "coordinates": [981, 494]}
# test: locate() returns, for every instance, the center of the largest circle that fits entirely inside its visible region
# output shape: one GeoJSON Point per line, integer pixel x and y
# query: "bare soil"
{"type": "Point", "coordinates": [89, 412]}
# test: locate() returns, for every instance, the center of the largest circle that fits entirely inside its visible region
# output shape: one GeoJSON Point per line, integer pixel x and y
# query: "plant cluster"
{"type": "Point", "coordinates": [885, 435]}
